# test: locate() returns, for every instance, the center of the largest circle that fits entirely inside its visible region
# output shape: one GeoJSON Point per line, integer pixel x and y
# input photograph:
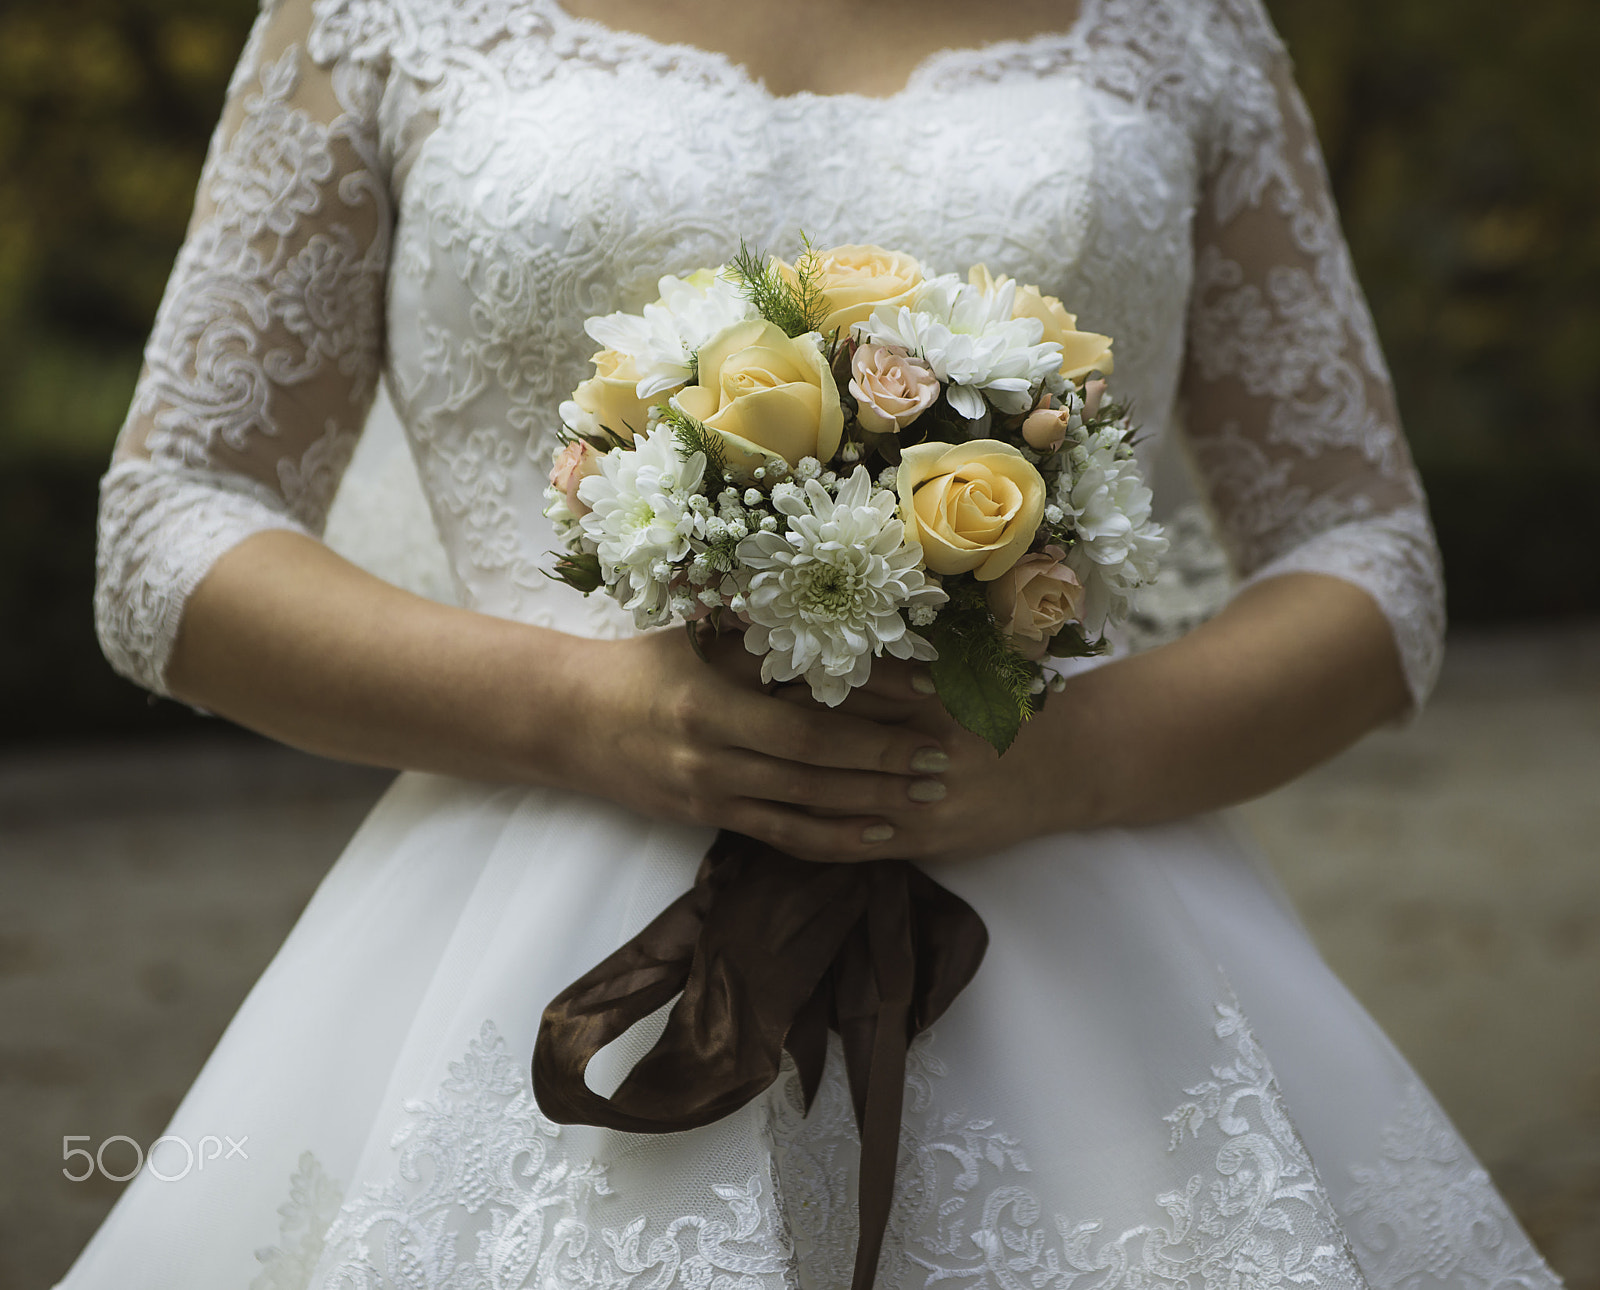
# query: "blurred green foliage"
{"type": "Point", "coordinates": [1461, 137]}
{"type": "Point", "coordinates": [106, 107]}
{"type": "Point", "coordinates": [105, 110]}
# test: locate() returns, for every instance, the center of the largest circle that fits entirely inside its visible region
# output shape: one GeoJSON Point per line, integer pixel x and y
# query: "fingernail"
{"type": "Point", "coordinates": [926, 790]}
{"type": "Point", "coordinates": [930, 761]}
{"type": "Point", "coordinates": [922, 683]}
{"type": "Point", "coordinates": [877, 833]}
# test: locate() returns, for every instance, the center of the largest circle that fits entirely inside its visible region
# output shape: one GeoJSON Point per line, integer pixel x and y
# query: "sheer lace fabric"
{"type": "Point", "coordinates": [1151, 163]}
{"type": "Point", "coordinates": [266, 350]}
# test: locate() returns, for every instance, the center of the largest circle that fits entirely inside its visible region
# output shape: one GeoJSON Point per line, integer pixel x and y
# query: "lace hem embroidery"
{"type": "Point", "coordinates": [1427, 1215]}
{"type": "Point", "coordinates": [485, 1194]}
{"type": "Point", "coordinates": [478, 1159]}
{"type": "Point", "coordinates": [966, 1214]}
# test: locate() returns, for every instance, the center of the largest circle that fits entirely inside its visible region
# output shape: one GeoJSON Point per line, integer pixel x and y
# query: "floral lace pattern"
{"type": "Point", "coordinates": [1426, 1214]}
{"type": "Point", "coordinates": [535, 165]}
{"type": "Point", "coordinates": [487, 1192]}
{"type": "Point", "coordinates": [1301, 338]}
{"type": "Point", "coordinates": [480, 1161]}
{"type": "Point", "coordinates": [160, 531]}
{"type": "Point", "coordinates": [313, 1204]}
{"type": "Point", "coordinates": [264, 355]}
{"type": "Point", "coordinates": [1193, 584]}
{"type": "Point", "coordinates": [966, 1212]}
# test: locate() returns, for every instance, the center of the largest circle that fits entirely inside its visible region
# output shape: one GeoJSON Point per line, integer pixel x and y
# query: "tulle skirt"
{"type": "Point", "coordinates": [1153, 1081]}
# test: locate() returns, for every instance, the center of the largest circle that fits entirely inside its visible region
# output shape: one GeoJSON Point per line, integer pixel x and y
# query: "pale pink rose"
{"type": "Point", "coordinates": [576, 462]}
{"type": "Point", "coordinates": [1046, 426]}
{"type": "Point", "coordinates": [1093, 393]}
{"type": "Point", "coordinates": [892, 388]}
{"type": "Point", "coordinates": [1035, 598]}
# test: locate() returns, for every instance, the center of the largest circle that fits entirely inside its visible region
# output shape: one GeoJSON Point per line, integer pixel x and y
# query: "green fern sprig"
{"type": "Point", "coordinates": [809, 296]}
{"type": "Point", "coordinates": [694, 436]}
{"type": "Point", "coordinates": [795, 307]}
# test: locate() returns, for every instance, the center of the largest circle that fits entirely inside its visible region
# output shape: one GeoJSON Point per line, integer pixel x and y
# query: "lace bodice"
{"type": "Point", "coordinates": [440, 191]}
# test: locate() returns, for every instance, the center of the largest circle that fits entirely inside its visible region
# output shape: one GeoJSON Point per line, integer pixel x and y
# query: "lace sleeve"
{"type": "Point", "coordinates": [266, 348]}
{"type": "Point", "coordinates": [1290, 414]}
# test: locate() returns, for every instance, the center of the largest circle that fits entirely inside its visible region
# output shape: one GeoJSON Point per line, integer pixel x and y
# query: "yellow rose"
{"type": "Point", "coordinates": [857, 279]}
{"type": "Point", "coordinates": [973, 506]}
{"type": "Point", "coordinates": [611, 395]}
{"type": "Point", "coordinates": [767, 396]}
{"type": "Point", "coordinates": [1082, 352]}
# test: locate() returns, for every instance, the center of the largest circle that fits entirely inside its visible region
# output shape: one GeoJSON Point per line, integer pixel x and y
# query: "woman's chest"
{"type": "Point", "coordinates": [528, 210]}
{"type": "Point", "coordinates": [598, 181]}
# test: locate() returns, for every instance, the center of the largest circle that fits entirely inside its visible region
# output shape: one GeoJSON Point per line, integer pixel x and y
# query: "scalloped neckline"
{"type": "Point", "coordinates": [739, 74]}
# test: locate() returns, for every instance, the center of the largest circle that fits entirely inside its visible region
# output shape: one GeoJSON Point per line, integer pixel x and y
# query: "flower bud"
{"type": "Point", "coordinates": [1045, 428]}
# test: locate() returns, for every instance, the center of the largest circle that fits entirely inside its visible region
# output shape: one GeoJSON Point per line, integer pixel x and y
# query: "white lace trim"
{"type": "Point", "coordinates": [486, 1195]}
{"type": "Point", "coordinates": [968, 1214]}
{"type": "Point", "coordinates": [312, 1207]}
{"type": "Point", "coordinates": [1393, 559]}
{"type": "Point", "coordinates": [1426, 1215]}
{"type": "Point", "coordinates": [160, 532]}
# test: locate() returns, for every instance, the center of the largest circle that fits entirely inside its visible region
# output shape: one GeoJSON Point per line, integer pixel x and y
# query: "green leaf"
{"type": "Point", "coordinates": [984, 684]}
{"type": "Point", "coordinates": [1070, 642]}
{"type": "Point", "coordinates": [603, 442]}
{"type": "Point", "coordinates": [975, 695]}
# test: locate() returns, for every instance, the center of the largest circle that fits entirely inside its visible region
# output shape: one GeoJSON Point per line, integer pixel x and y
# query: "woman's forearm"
{"type": "Point", "coordinates": [285, 637]}
{"type": "Point", "coordinates": [288, 638]}
{"type": "Point", "coordinates": [1294, 669]}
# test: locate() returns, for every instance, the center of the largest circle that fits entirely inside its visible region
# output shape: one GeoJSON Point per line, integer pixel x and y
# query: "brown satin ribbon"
{"type": "Point", "coordinates": [767, 952]}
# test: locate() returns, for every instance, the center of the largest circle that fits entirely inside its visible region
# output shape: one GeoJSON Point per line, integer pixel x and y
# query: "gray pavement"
{"type": "Point", "coordinates": [1450, 871]}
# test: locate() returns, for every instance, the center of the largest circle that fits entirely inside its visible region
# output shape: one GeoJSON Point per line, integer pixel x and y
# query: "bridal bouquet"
{"type": "Point", "coordinates": [849, 457]}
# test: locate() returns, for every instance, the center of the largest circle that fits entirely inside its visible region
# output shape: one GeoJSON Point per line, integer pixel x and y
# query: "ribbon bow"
{"type": "Point", "coordinates": [767, 953]}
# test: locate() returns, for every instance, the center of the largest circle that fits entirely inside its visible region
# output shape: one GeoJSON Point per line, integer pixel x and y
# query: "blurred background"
{"type": "Point", "coordinates": [151, 859]}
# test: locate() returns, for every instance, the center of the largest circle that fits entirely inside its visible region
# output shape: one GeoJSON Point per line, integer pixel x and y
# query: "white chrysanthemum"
{"type": "Point", "coordinates": [826, 594]}
{"type": "Point", "coordinates": [1119, 547]}
{"type": "Point", "coordinates": [664, 337]}
{"type": "Point", "coordinates": [642, 519]}
{"type": "Point", "coordinates": [969, 338]}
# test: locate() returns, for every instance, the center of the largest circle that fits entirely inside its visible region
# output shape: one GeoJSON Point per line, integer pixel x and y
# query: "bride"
{"type": "Point", "coordinates": [1153, 1081]}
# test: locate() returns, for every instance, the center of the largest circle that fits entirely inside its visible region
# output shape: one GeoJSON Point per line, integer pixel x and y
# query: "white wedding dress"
{"type": "Point", "coordinates": [1154, 1080]}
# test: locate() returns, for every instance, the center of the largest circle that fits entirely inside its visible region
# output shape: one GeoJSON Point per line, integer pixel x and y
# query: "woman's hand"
{"type": "Point", "coordinates": [286, 637]}
{"type": "Point", "coordinates": [700, 740]}
{"type": "Point", "coordinates": [1290, 671]}
{"type": "Point", "coordinates": [983, 802]}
